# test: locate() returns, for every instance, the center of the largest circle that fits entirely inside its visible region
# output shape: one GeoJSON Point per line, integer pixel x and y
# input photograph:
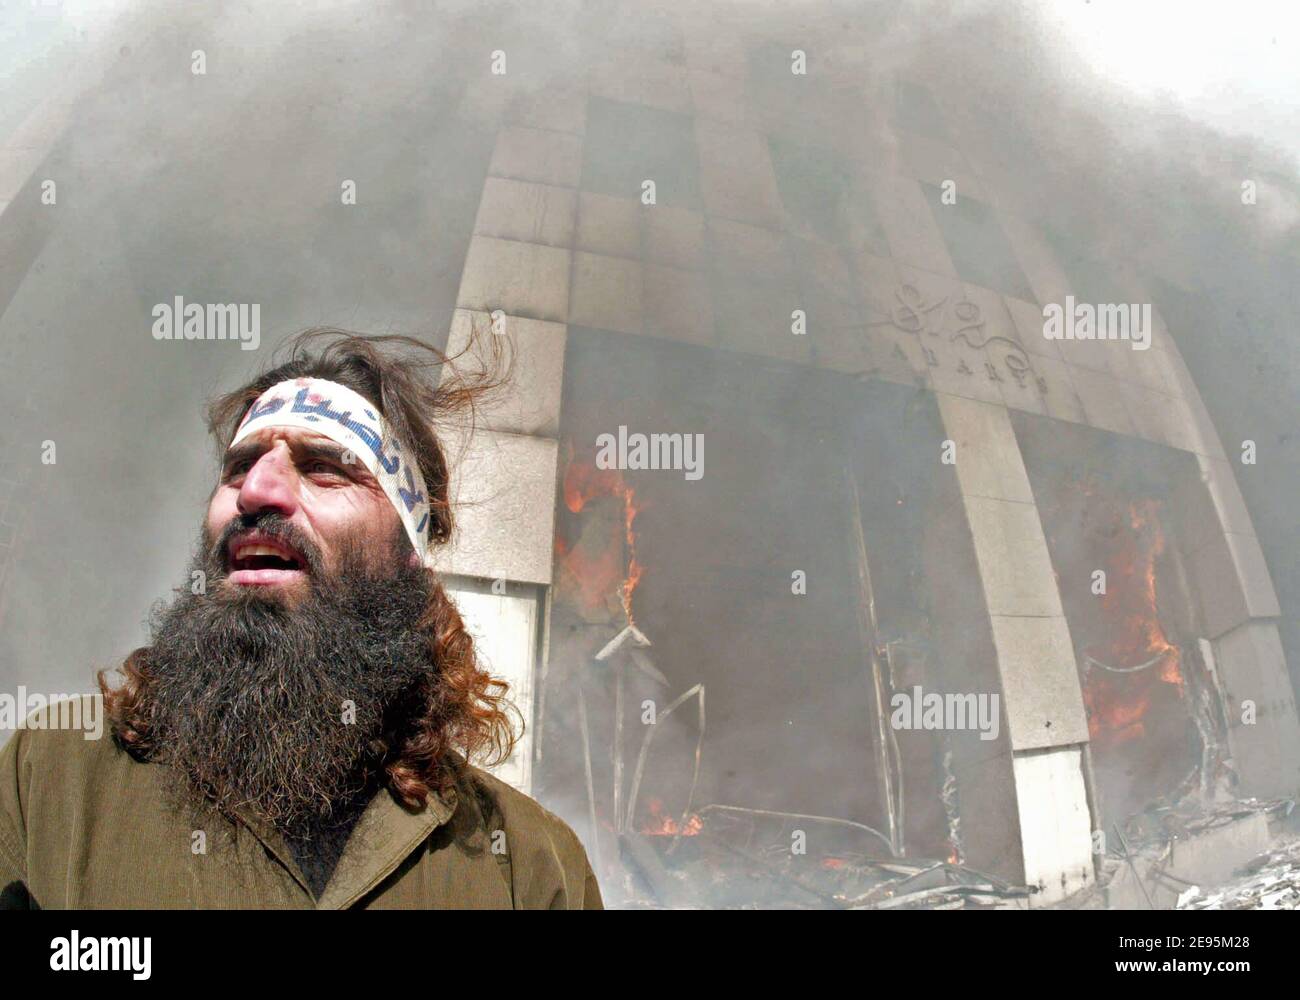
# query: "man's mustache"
{"type": "Point", "coordinates": [274, 526]}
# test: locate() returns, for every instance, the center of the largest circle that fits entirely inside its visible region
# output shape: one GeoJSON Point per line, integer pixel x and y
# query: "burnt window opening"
{"type": "Point", "coordinates": [818, 567]}
{"type": "Point", "coordinates": [1228, 352]}
{"type": "Point", "coordinates": [626, 143]}
{"type": "Point", "coordinates": [979, 249]}
{"type": "Point", "coordinates": [1090, 279]}
{"type": "Point", "coordinates": [1119, 516]}
{"type": "Point", "coordinates": [818, 192]}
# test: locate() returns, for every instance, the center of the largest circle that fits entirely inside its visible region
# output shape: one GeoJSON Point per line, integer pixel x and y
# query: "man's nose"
{"type": "Point", "coordinates": [271, 484]}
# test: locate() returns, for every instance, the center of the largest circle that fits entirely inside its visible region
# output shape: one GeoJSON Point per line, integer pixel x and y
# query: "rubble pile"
{"type": "Point", "coordinates": [1270, 882]}
{"type": "Point", "coordinates": [707, 870]}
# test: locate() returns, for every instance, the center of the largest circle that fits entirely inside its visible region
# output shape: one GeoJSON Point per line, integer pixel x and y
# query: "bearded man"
{"type": "Point", "coordinates": [298, 732]}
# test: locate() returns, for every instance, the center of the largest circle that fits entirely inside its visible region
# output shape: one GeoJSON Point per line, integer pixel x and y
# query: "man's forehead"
{"type": "Point", "coordinates": [266, 436]}
{"type": "Point", "coordinates": [302, 443]}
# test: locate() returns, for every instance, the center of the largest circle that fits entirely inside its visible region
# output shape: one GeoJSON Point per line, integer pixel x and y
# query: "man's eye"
{"type": "Point", "coordinates": [323, 467]}
{"type": "Point", "coordinates": [236, 468]}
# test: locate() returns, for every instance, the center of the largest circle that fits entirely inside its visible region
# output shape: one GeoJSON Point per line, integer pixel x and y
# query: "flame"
{"type": "Point", "coordinates": [663, 825]}
{"type": "Point", "coordinates": [1117, 703]}
{"type": "Point", "coordinates": [584, 482]}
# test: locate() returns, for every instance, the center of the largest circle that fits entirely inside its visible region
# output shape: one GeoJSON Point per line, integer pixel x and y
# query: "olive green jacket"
{"type": "Point", "coordinates": [84, 825]}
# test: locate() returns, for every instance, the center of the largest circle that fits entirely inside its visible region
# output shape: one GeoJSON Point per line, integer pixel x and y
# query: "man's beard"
{"type": "Point", "coordinates": [288, 706]}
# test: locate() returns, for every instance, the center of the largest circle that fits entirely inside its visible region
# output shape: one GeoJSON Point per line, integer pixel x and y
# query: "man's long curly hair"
{"type": "Point", "coordinates": [417, 388]}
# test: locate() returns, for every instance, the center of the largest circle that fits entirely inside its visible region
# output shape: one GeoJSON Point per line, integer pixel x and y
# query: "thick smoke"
{"type": "Point", "coordinates": [224, 187]}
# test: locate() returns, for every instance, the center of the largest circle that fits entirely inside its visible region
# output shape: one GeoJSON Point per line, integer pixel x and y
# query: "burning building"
{"type": "Point", "coordinates": [1081, 552]}
{"type": "Point", "coordinates": [868, 473]}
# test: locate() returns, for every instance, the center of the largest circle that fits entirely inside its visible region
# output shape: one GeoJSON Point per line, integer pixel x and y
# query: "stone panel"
{"type": "Point", "coordinates": [606, 292]}
{"type": "Point", "coordinates": [503, 491]}
{"type": "Point", "coordinates": [1012, 553]}
{"type": "Point", "coordinates": [527, 212]}
{"type": "Point", "coordinates": [989, 463]}
{"type": "Point", "coordinates": [1040, 682]}
{"type": "Point", "coordinates": [1055, 825]}
{"type": "Point", "coordinates": [1266, 751]}
{"type": "Point", "coordinates": [530, 154]}
{"type": "Point", "coordinates": [523, 279]}
{"type": "Point", "coordinates": [531, 402]}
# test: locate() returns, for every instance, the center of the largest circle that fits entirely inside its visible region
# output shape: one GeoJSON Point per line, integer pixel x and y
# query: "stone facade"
{"type": "Point", "coordinates": [896, 285]}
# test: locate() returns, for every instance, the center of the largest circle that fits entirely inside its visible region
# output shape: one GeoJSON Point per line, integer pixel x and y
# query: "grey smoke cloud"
{"type": "Point", "coordinates": [225, 188]}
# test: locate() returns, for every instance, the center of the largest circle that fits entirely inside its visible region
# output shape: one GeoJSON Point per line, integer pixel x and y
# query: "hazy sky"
{"type": "Point", "coordinates": [1232, 63]}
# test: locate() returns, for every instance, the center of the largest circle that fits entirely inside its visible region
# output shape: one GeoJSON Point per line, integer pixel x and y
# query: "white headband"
{"type": "Point", "coordinates": [346, 417]}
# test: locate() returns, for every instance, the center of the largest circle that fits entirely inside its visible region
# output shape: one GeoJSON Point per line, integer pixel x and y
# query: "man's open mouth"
{"type": "Point", "coordinates": [259, 560]}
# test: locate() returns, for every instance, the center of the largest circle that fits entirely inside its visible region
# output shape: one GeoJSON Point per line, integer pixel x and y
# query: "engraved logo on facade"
{"type": "Point", "coordinates": [952, 321]}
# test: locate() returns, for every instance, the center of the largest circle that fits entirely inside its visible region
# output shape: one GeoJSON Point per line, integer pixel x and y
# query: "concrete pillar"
{"type": "Point", "coordinates": [514, 292]}
{"type": "Point", "coordinates": [1042, 699]}
{"type": "Point", "coordinates": [1238, 608]}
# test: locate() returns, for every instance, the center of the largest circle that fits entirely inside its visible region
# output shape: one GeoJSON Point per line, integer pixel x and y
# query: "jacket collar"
{"type": "Point", "coordinates": [385, 835]}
